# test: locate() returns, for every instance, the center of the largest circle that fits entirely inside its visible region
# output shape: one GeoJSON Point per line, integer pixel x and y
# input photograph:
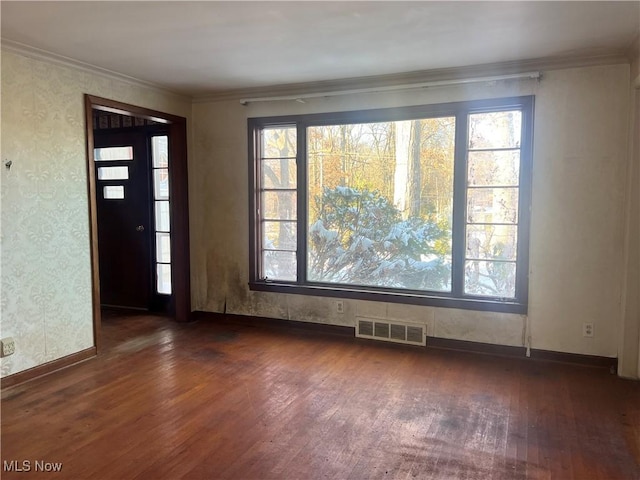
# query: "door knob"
{"type": "Point", "coordinates": [140, 228]}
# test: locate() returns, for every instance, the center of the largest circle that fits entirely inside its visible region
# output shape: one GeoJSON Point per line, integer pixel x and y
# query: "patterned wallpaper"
{"type": "Point", "coordinates": [45, 298]}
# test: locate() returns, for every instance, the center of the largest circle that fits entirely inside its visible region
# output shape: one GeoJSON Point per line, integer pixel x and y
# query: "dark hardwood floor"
{"type": "Point", "coordinates": [224, 400]}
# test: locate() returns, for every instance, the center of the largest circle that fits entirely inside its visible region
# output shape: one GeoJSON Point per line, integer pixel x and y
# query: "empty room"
{"type": "Point", "coordinates": [294, 240]}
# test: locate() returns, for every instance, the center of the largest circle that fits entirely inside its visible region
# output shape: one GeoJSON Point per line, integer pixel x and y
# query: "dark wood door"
{"type": "Point", "coordinates": [124, 219]}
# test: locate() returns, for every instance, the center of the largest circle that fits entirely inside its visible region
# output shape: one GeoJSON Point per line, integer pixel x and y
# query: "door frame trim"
{"type": "Point", "coordinates": [179, 205]}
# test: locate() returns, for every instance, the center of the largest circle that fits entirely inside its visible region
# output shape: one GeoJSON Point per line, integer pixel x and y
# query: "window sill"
{"type": "Point", "coordinates": [391, 296]}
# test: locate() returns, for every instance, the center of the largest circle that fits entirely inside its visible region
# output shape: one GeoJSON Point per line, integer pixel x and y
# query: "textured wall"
{"type": "Point", "coordinates": [46, 269]}
{"type": "Point", "coordinates": [629, 364]}
{"type": "Point", "coordinates": [578, 210]}
{"type": "Point", "coordinates": [580, 155]}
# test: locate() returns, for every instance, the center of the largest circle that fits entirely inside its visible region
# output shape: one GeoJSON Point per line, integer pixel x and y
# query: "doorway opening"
{"type": "Point", "coordinates": [138, 193]}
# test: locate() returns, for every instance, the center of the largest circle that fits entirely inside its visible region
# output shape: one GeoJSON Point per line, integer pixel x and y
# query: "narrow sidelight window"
{"type": "Point", "coordinates": [160, 164]}
{"type": "Point", "coordinates": [278, 210]}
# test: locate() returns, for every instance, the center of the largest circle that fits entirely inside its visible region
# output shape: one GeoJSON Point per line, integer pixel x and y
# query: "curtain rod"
{"type": "Point", "coordinates": [392, 88]}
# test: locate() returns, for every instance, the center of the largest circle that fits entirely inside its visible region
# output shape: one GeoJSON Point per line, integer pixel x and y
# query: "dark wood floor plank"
{"type": "Point", "coordinates": [231, 401]}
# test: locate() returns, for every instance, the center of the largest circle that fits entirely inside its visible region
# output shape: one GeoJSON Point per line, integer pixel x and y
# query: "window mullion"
{"type": "Point", "coordinates": [459, 205]}
{"type": "Point", "coordinates": [301, 217]}
{"type": "Point", "coordinates": [255, 186]}
{"type": "Point", "coordinates": [524, 202]}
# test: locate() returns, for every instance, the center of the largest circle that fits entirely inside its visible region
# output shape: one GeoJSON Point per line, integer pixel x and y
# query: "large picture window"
{"type": "Point", "coordinates": [426, 205]}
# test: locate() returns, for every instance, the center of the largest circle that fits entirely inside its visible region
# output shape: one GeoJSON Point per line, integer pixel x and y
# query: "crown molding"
{"type": "Point", "coordinates": [331, 86]}
{"type": "Point", "coordinates": [11, 46]}
{"type": "Point", "coordinates": [423, 76]}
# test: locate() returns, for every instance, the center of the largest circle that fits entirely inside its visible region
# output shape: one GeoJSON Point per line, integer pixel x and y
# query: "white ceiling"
{"type": "Point", "coordinates": [206, 47]}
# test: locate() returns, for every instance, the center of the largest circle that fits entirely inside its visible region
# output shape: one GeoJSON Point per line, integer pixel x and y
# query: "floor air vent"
{"type": "Point", "coordinates": [391, 331]}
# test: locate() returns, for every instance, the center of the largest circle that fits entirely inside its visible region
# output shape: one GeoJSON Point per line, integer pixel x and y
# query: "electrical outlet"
{"type": "Point", "coordinates": [340, 306]}
{"type": "Point", "coordinates": [8, 347]}
{"type": "Point", "coordinates": [587, 329]}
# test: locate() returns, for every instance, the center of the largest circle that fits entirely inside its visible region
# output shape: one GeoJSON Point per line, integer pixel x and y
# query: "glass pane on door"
{"type": "Point", "coordinates": [113, 153]}
{"type": "Point", "coordinates": [164, 278]}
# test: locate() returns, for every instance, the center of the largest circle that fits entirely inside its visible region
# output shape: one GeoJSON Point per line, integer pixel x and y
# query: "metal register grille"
{"type": "Point", "coordinates": [391, 331]}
